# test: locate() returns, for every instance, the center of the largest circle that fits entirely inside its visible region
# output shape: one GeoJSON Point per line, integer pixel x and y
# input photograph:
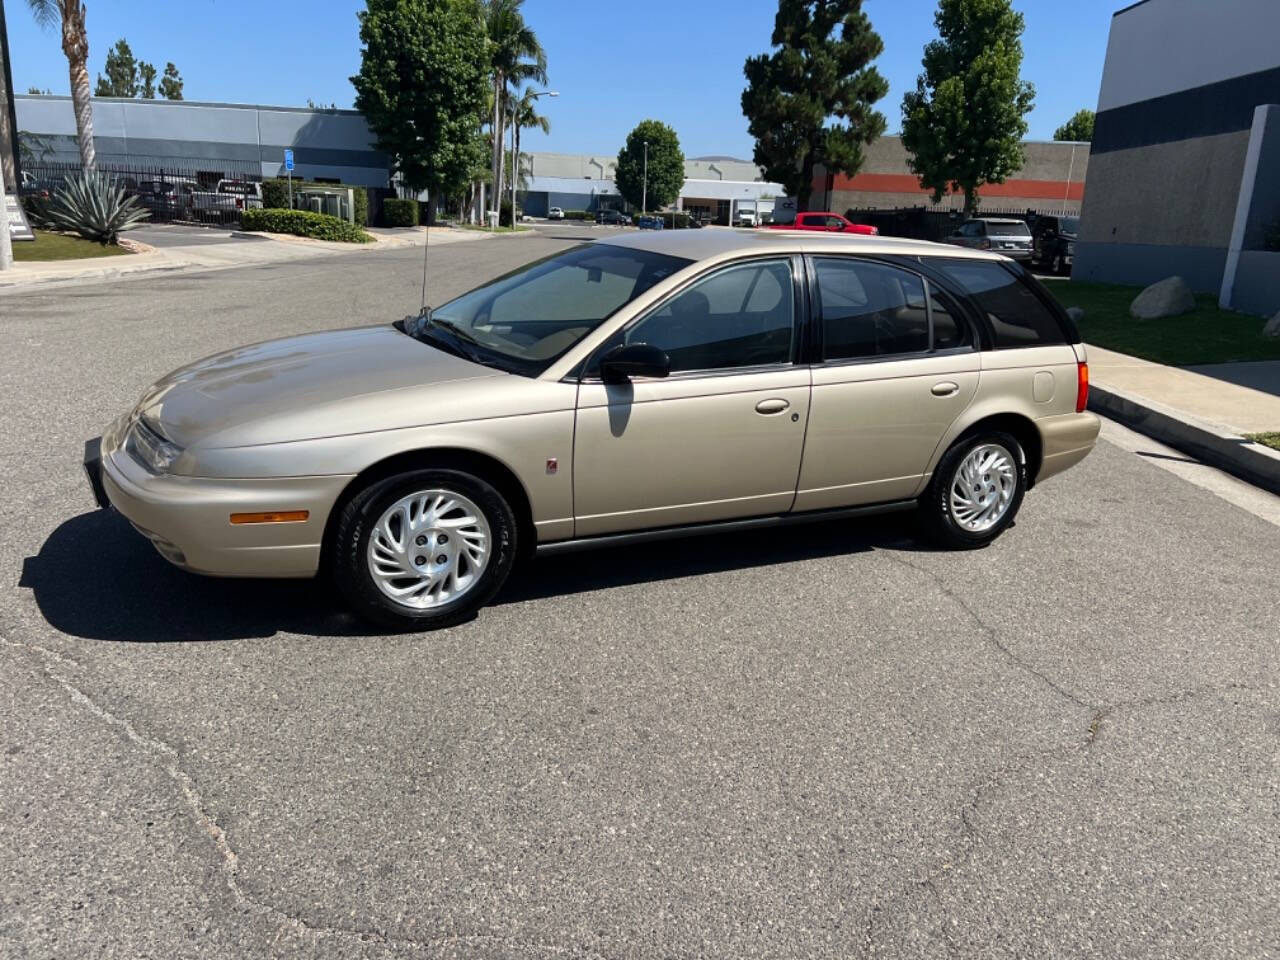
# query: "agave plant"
{"type": "Point", "coordinates": [94, 206]}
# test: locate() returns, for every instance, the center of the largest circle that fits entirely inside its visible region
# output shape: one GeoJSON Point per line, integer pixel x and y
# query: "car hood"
{"type": "Point", "coordinates": [320, 384]}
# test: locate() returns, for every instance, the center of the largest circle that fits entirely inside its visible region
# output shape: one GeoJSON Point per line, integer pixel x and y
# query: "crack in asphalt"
{"type": "Point", "coordinates": [971, 835]}
{"type": "Point", "coordinates": [169, 759]}
{"type": "Point", "coordinates": [989, 632]}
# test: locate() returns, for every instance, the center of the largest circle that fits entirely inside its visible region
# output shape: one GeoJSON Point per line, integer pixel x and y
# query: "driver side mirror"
{"type": "Point", "coordinates": [628, 360]}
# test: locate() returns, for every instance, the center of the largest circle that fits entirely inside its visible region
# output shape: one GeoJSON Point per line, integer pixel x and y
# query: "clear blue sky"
{"type": "Point", "coordinates": [614, 63]}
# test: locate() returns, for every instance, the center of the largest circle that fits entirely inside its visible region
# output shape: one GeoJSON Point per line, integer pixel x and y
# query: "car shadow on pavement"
{"type": "Point", "coordinates": [693, 556]}
{"type": "Point", "coordinates": [96, 578]}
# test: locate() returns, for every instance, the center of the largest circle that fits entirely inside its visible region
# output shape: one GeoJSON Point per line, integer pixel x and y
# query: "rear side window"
{"type": "Point", "coordinates": [1017, 316]}
{"type": "Point", "coordinates": [870, 310]}
{"type": "Point", "coordinates": [1008, 230]}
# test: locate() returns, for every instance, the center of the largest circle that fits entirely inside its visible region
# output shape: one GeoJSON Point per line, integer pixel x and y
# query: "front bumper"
{"type": "Point", "coordinates": [188, 519]}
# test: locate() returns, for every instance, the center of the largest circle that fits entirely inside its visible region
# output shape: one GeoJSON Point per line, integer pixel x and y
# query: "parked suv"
{"type": "Point", "coordinates": [614, 217]}
{"type": "Point", "coordinates": [555, 213]}
{"type": "Point", "coordinates": [646, 386]}
{"type": "Point", "coordinates": [1010, 238]}
{"type": "Point", "coordinates": [1053, 243]}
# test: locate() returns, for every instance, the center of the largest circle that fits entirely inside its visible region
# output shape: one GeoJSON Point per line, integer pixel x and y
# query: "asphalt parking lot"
{"type": "Point", "coordinates": [828, 742]}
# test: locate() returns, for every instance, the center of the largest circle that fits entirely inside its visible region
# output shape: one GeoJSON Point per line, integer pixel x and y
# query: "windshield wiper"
{"type": "Point", "coordinates": [454, 329]}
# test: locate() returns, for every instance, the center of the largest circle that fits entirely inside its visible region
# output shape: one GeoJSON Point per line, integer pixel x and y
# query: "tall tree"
{"type": "Point", "coordinates": [422, 80]}
{"type": "Point", "coordinates": [963, 124]}
{"type": "Point", "coordinates": [820, 70]}
{"type": "Point", "coordinates": [122, 73]}
{"type": "Point", "coordinates": [75, 44]}
{"type": "Point", "coordinates": [146, 80]}
{"type": "Point", "coordinates": [665, 167]}
{"type": "Point", "coordinates": [515, 57]}
{"type": "Point", "coordinates": [171, 83]}
{"type": "Point", "coordinates": [527, 118]}
{"type": "Point", "coordinates": [1078, 128]}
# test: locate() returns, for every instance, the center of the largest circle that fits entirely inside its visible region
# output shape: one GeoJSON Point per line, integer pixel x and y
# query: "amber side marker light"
{"type": "Point", "coordinates": [1082, 387]}
{"type": "Point", "coordinates": [284, 516]}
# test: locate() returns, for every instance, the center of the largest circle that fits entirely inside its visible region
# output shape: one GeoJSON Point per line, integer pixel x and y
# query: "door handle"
{"type": "Point", "coordinates": [770, 407]}
{"type": "Point", "coordinates": [945, 389]}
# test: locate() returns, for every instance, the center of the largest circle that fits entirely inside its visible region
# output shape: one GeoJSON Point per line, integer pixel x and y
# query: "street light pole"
{"type": "Point", "coordinates": [644, 190]}
{"type": "Point", "coordinates": [515, 159]}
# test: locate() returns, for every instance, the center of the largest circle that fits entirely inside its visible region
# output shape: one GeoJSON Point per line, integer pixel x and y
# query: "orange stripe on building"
{"type": "Point", "coordinates": [906, 183]}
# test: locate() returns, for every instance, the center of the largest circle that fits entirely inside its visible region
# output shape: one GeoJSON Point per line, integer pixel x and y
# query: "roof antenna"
{"type": "Point", "coordinates": [426, 253]}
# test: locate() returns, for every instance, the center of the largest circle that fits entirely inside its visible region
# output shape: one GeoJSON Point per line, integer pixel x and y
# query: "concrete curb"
{"type": "Point", "coordinates": [1209, 442]}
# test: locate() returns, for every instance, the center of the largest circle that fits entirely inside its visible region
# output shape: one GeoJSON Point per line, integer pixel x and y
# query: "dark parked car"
{"type": "Point", "coordinates": [614, 218]}
{"type": "Point", "coordinates": [167, 199]}
{"type": "Point", "coordinates": [1053, 242]}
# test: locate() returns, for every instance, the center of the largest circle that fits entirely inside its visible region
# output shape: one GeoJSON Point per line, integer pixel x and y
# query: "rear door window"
{"type": "Point", "coordinates": [1017, 316]}
{"type": "Point", "coordinates": [870, 309]}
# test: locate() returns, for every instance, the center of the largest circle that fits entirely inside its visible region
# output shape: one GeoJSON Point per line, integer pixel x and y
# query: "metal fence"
{"type": "Point", "coordinates": [208, 191]}
{"type": "Point", "coordinates": [921, 223]}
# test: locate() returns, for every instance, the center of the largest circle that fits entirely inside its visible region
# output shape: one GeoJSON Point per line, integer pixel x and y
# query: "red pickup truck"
{"type": "Point", "coordinates": [827, 223]}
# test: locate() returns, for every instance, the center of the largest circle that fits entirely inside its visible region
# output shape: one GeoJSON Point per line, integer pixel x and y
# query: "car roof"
{"type": "Point", "coordinates": [715, 242]}
{"type": "Point", "coordinates": [999, 220]}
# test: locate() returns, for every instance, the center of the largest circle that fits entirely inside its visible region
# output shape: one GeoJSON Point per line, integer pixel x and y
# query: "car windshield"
{"type": "Point", "coordinates": [1071, 225]}
{"type": "Point", "coordinates": [524, 321]}
{"type": "Point", "coordinates": [1018, 229]}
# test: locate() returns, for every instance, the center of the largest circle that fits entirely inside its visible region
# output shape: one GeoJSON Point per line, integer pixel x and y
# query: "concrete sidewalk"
{"type": "Point", "coordinates": [1205, 416]}
{"type": "Point", "coordinates": [238, 250]}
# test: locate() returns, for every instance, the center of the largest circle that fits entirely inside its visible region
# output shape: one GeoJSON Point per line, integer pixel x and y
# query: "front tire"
{"type": "Point", "coordinates": [976, 490]}
{"type": "Point", "coordinates": [424, 550]}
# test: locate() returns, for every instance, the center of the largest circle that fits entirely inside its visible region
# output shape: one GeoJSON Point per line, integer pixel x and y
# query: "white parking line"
{"type": "Point", "coordinates": [1256, 501]}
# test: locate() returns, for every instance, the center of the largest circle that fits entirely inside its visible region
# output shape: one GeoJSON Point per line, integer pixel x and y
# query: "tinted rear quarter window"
{"type": "Point", "coordinates": [1016, 314]}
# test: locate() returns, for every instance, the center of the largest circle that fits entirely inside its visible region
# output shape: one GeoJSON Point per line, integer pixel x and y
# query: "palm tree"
{"type": "Point", "coordinates": [517, 57]}
{"type": "Point", "coordinates": [75, 44]}
{"type": "Point", "coordinates": [527, 118]}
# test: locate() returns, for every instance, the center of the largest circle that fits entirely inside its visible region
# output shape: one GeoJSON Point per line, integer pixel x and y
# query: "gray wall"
{"type": "Point", "coordinates": [1181, 82]}
{"type": "Point", "coordinates": [326, 143]}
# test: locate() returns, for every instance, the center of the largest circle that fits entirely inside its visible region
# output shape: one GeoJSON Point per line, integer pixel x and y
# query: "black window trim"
{"type": "Point", "coordinates": [799, 324]}
{"type": "Point", "coordinates": [906, 265]}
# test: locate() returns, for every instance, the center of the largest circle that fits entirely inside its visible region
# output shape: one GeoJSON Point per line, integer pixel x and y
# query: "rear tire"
{"type": "Point", "coordinates": [423, 550]}
{"type": "Point", "coordinates": [975, 491]}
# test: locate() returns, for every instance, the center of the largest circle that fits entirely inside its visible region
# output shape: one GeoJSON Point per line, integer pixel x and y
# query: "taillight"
{"type": "Point", "coordinates": [1082, 387]}
{"type": "Point", "coordinates": [239, 204]}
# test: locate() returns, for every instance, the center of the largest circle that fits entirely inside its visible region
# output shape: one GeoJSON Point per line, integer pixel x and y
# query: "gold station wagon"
{"type": "Point", "coordinates": [633, 388]}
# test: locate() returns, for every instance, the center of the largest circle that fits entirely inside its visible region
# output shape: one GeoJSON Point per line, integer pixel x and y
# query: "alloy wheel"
{"type": "Point", "coordinates": [429, 548]}
{"type": "Point", "coordinates": [982, 487]}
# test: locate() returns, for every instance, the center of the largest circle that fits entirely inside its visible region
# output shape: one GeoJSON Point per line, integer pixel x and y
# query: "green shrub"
{"type": "Point", "coordinates": [94, 206]}
{"type": "Point", "coordinates": [304, 223]}
{"type": "Point", "coordinates": [275, 196]}
{"type": "Point", "coordinates": [399, 213]}
{"type": "Point", "coordinates": [504, 213]}
{"type": "Point", "coordinates": [674, 220]}
{"type": "Point", "coordinates": [579, 215]}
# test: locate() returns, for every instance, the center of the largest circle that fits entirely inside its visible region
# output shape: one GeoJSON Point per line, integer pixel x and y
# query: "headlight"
{"type": "Point", "coordinates": [153, 451]}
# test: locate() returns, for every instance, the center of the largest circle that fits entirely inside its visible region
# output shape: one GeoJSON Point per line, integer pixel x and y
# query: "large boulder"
{"type": "Point", "coordinates": [1168, 298]}
{"type": "Point", "coordinates": [1272, 329]}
